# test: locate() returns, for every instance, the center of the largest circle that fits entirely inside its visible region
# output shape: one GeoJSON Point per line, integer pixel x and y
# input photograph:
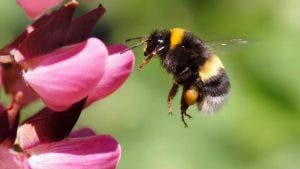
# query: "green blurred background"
{"type": "Point", "coordinates": [259, 127]}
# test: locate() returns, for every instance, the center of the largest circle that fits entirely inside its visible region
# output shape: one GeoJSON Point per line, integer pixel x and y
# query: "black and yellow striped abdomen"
{"type": "Point", "coordinates": [215, 85]}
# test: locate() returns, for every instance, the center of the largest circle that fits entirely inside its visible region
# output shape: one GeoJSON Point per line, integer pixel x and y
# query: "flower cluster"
{"type": "Point", "coordinates": [55, 60]}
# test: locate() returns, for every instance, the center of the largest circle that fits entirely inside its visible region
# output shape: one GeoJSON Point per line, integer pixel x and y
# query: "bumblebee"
{"type": "Point", "coordinates": [194, 67]}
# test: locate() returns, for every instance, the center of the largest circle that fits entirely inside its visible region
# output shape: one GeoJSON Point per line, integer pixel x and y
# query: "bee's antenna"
{"type": "Point", "coordinates": [141, 38]}
{"type": "Point", "coordinates": [132, 47]}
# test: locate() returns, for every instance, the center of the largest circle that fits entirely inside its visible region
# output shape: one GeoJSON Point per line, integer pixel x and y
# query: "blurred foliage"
{"type": "Point", "coordinates": [259, 126]}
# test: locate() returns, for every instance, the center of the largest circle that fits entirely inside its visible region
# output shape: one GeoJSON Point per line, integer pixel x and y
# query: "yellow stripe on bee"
{"type": "Point", "coordinates": [176, 37]}
{"type": "Point", "coordinates": [210, 68]}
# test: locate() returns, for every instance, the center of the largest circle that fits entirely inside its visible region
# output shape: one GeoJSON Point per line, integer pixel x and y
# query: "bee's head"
{"type": "Point", "coordinates": [157, 43]}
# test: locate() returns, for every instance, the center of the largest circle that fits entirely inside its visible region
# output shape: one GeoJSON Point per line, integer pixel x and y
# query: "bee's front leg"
{"type": "Point", "coordinates": [184, 75]}
{"type": "Point", "coordinates": [145, 61]}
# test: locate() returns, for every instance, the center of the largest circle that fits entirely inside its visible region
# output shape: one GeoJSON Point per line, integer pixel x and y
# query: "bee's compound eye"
{"type": "Point", "coordinates": [160, 41]}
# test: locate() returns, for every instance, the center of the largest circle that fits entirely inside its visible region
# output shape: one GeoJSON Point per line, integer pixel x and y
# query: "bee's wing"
{"type": "Point", "coordinates": [230, 42]}
{"type": "Point", "coordinates": [226, 45]}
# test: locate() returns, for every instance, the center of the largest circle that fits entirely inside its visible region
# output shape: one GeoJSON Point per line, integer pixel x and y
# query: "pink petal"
{"type": "Point", "coordinates": [118, 68]}
{"type": "Point", "coordinates": [7, 159]}
{"type": "Point", "coordinates": [10, 75]}
{"type": "Point", "coordinates": [4, 125]}
{"type": "Point", "coordinates": [68, 75]}
{"type": "Point", "coordinates": [47, 33]}
{"type": "Point", "coordinates": [21, 159]}
{"type": "Point", "coordinates": [48, 126]}
{"type": "Point", "coordinates": [29, 95]}
{"type": "Point", "coordinates": [1, 72]}
{"type": "Point", "coordinates": [2, 108]}
{"type": "Point", "coordinates": [9, 120]}
{"type": "Point", "coordinates": [35, 8]}
{"type": "Point", "coordinates": [81, 27]}
{"type": "Point", "coordinates": [13, 83]}
{"type": "Point", "coordinates": [96, 152]}
{"type": "Point", "coordinates": [5, 52]}
{"type": "Point", "coordinates": [84, 132]}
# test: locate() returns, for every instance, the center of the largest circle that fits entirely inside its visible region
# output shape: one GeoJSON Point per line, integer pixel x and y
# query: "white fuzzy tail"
{"type": "Point", "coordinates": [211, 104]}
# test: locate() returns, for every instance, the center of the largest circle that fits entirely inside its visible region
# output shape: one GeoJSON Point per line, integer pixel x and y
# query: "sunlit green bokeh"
{"type": "Point", "coordinates": [259, 127]}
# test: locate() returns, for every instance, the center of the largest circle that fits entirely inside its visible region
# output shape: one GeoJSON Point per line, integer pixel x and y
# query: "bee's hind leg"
{"type": "Point", "coordinates": [171, 95]}
{"type": "Point", "coordinates": [184, 107]}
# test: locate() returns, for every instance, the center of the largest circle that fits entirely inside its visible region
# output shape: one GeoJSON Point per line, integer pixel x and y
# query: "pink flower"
{"type": "Point", "coordinates": [35, 8]}
{"type": "Point", "coordinates": [80, 152]}
{"type": "Point", "coordinates": [44, 141]}
{"type": "Point", "coordinates": [7, 159]}
{"type": "Point", "coordinates": [117, 69]}
{"type": "Point", "coordinates": [93, 152]}
{"type": "Point", "coordinates": [62, 67]}
{"type": "Point", "coordinates": [43, 137]}
{"type": "Point", "coordinates": [55, 60]}
{"type": "Point", "coordinates": [69, 74]}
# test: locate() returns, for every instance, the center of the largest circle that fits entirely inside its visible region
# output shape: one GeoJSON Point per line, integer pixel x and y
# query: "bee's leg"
{"type": "Point", "coordinates": [184, 107]}
{"type": "Point", "coordinates": [145, 61]}
{"type": "Point", "coordinates": [184, 75]}
{"type": "Point", "coordinates": [172, 93]}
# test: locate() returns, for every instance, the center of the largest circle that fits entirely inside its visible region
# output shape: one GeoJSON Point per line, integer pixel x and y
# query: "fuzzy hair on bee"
{"type": "Point", "coordinates": [193, 66]}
